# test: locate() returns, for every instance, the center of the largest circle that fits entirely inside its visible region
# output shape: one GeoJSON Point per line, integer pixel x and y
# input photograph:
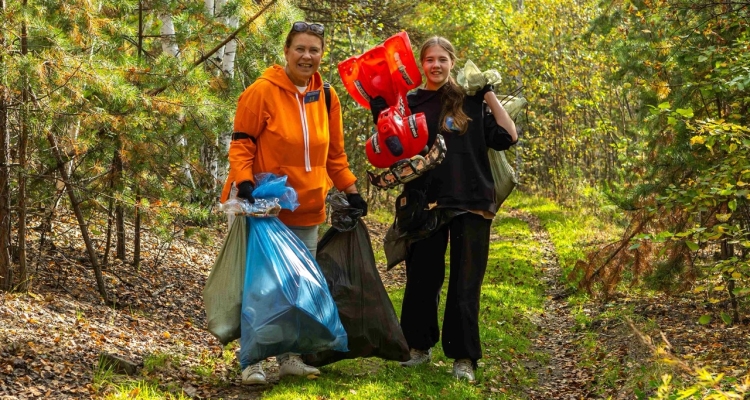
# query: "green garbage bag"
{"type": "Point", "coordinates": [513, 104]}
{"type": "Point", "coordinates": [502, 173]}
{"type": "Point", "coordinates": [222, 295]}
{"type": "Point", "coordinates": [471, 79]}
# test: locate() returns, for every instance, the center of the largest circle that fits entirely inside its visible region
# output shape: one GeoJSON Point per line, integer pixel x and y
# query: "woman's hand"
{"type": "Point", "coordinates": [356, 201]}
{"type": "Point", "coordinates": [245, 191]}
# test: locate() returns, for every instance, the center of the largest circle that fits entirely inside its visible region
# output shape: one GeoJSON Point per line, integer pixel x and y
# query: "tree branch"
{"type": "Point", "coordinates": [219, 46]}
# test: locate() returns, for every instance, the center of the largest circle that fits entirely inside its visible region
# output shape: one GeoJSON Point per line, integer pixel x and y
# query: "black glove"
{"type": "Point", "coordinates": [377, 105]}
{"type": "Point", "coordinates": [356, 201]}
{"type": "Point", "coordinates": [487, 88]}
{"type": "Point", "coordinates": [245, 191]}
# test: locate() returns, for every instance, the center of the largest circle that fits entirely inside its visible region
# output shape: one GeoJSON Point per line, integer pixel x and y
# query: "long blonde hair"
{"type": "Point", "coordinates": [453, 95]}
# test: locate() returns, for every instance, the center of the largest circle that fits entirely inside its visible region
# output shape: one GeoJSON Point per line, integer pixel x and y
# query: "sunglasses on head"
{"type": "Point", "coordinates": [301, 26]}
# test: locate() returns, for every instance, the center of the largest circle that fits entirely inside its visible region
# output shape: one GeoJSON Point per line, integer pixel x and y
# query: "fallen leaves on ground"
{"type": "Point", "coordinates": [611, 367]}
{"type": "Point", "coordinates": [51, 338]}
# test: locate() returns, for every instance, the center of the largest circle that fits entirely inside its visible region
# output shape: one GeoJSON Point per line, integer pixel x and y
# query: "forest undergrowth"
{"type": "Point", "coordinates": [542, 338]}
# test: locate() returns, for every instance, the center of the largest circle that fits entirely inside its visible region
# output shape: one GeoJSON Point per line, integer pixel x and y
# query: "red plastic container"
{"type": "Point", "coordinates": [398, 137]}
{"type": "Point", "coordinates": [388, 70]}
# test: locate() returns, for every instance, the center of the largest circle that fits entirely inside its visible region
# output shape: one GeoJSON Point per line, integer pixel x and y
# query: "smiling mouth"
{"type": "Point", "coordinates": [304, 65]}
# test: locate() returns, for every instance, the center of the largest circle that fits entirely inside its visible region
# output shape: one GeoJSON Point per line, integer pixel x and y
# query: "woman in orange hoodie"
{"type": "Point", "coordinates": [283, 126]}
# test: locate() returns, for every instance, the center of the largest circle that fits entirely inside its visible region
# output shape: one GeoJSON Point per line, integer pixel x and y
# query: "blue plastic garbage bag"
{"type": "Point", "coordinates": [273, 187]}
{"type": "Point", "coordinates": [286, 303]}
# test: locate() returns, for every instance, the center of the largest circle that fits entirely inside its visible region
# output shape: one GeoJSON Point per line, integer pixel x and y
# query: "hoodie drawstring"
{"type": "Point", "coordinates": [305, 132]}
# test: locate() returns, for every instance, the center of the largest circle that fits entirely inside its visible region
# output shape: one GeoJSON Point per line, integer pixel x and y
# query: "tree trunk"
{"type": "Point", "coordinates": [210, 161]}
{"type": "Point", "coordinates": [137, 232]}
{"type": "Point", "coordinates": [218, 6]}
{"type": "Point", "coordinates": [46, 225]}
{"type": "Point", "coordinates": [6, 269]}
{"type": "Point", "coordinates": [79, 216]}
{"type": "Point", "coordinates": [168, 38]}
{"type": "Point", "coordinates": [116, 173]}
{"type": "Point", "coordinates": [108, 242]}
{"type": "Point", "coordinates": [209, 7]}
{"type": "Point", "coordinates": [117, 169]}
{"type": "Point", "coordinates": [169, 46]}
{"type": "Point", "coordinates": [120, 231]}
{"type": "Point", "coordinates": [22, 147]}
{"type": "Point", "coordinates": [186, 167]}
{"type": "Point", "coordinates": [727, 252]}
{"type": "Point", "coordinates": [229, 52]}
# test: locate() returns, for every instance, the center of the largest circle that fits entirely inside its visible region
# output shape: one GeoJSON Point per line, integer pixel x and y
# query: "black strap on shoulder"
{"type": "Point", "coordinates": [327, 90]}
{"type": "Point", "coordinates": [242, 135]}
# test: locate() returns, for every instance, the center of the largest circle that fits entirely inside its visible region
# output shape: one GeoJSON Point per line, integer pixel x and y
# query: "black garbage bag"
{"type": "Point", "coordinates": [396, 242]}
{"type": "Point", "coordinates": [348, 264]}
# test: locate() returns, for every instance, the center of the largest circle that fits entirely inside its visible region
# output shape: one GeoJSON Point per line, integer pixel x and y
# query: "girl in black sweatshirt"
{"type": "Point", "coordinates": [462, 184]}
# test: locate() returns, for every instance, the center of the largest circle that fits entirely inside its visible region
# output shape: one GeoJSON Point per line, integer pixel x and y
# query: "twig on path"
{"type": "Point", "coordinates": [159, 291]}
{"type": "Point", "coordinates": [111, 271]}
{"type": "Point", "coordinates": [128, 284]}
{"type": "Point", "coordinates": [648, 342]}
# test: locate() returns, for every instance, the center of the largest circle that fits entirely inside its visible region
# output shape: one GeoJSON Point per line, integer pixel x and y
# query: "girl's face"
{"type": "Point", "coordinates": [303, 58]}
{"type": "Point", "coordinates": [436, 65]}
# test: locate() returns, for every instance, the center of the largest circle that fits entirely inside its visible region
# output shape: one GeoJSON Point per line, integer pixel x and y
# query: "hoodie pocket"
{"type": "Point", "coordinates": [311, 187]}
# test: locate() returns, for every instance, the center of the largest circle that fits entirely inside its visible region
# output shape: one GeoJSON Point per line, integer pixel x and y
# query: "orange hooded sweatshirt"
{"type": "Point", "coordinates": [290, 134]}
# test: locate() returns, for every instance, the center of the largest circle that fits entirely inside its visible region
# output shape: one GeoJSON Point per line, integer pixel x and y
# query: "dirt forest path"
{"type": "Point", "coordinates": [563, 376]}
{"type": "Point", "coordinates": [50, 340]}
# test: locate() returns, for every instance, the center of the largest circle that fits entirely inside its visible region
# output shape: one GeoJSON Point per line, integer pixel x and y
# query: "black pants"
{"type": "Point", "coordinates": [425, 273]}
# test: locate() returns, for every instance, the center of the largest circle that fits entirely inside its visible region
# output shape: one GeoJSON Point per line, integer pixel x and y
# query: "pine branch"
{"type": "Point", "coordinates": [215, 49]}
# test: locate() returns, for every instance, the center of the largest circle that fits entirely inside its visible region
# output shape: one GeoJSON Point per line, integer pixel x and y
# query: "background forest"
{"type": "Point", "coordinates": [115, 118]}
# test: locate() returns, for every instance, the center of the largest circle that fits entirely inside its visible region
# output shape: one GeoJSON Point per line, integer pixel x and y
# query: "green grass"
{"type": "Point", "coordinates": [111, 386]}
{"type": "Point", "coordinates": [572, 231]}
{"type": "Point", "coordinates": [512, 296]}
{"type": "Point", "coordinates": [384, 215]}
{"type": "Point", "coordinates": [511, 293]}
{"type": "Point", "coordinates": [103, 375]}
{"type": "Point", "coordinates": [143, 390]}
{"type": "Point", "coordinates": [156, 361]}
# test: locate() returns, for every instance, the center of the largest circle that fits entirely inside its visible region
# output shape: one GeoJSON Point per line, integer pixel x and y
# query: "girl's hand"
{"type": "Point", "coordinates": [487, 89]}
{"type": "Point", "coordinates": [501, 116]}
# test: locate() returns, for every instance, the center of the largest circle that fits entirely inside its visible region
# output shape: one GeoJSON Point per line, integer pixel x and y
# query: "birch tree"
{"type": "Point", "coordinates": [168, 36]}
{"type": "Point", "coordinates": [228, 53]}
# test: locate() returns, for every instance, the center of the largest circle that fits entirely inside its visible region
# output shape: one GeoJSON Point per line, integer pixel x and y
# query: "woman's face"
{"type": "Point", "coordinates": [436, 65]}
{"type": "Point", "coordinates": [303, 57]}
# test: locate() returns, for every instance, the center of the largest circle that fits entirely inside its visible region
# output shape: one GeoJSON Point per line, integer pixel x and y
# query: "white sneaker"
{"type": "Point", "coordinates": [463, 369]}
{"type": "Point", "coordinates": [254, 375]}
{"type": "Point", "coordinates": [418, 357]}
{"type": "Point", "coordinates": [293, 365]}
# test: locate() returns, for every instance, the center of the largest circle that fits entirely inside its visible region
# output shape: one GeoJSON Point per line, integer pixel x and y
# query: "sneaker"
{"type": "Point", "coordinates": [418, 357]}
{"type": "Point", "coordinates": [254, 375]}
{"type": "Point", "coordinates": [293, 365]}
{"type": "Point", "coordinates": [463, 369]}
